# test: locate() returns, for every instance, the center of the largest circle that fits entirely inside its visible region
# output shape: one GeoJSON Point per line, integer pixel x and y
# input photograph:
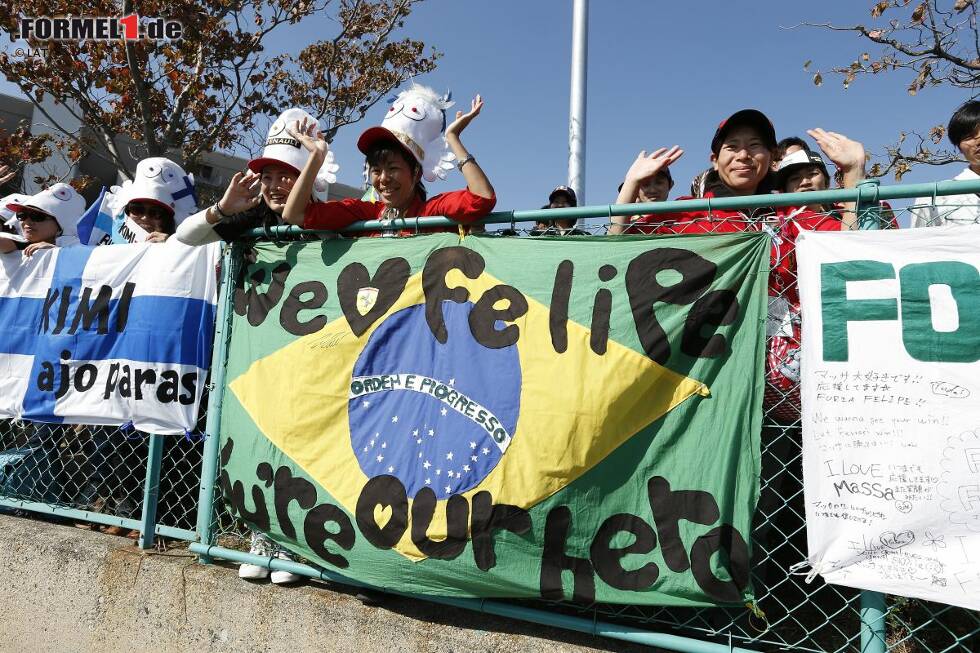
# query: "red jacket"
{"type": "Point", "coordinates": [462, 206]}
{"type": "Point", "coordinates": [694, 222]}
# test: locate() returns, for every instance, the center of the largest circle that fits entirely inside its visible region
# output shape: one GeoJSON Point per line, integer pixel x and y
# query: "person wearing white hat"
{"type": "Point", "coordinates": [158, 199]}
{"type": "Point", "coordinates": [408, 146]}
{"type": "Point", "coordinates": [47, 219]}
{"type": "Point", "coordinates": [257, 197]}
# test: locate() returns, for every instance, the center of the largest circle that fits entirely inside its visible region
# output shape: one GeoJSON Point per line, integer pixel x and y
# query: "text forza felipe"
{"type": "Point", "coordinates": [99, 28]}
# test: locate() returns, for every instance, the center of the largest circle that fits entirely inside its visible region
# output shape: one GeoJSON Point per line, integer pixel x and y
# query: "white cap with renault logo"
{"type": "Point", "coordinates": [282, 149]}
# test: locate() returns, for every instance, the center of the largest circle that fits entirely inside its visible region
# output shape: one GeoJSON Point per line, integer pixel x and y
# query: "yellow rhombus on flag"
{"type": "Point", "coordinates": [576, 407]}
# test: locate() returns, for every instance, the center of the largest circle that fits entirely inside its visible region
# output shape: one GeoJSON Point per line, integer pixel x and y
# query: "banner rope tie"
{"type": "Point", "coordinates": [758, 613]}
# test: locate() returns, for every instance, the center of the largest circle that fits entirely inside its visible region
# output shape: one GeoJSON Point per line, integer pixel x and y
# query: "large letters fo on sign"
{"type": "Point", "coordinates": [503, 417]}
{"type": "Point", "coordinates": [891, 410]}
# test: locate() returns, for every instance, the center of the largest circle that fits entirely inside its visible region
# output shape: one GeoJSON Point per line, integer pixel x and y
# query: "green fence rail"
{"type": "Point", "coordinates": [176, 497]}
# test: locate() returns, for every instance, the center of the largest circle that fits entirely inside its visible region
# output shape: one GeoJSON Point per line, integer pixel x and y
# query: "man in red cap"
{"type": "Point", "coordinates": [742, 151]}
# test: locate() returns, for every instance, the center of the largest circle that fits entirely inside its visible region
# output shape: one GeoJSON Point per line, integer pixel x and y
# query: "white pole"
{"type": "Point", "coordinates": [576, 116]}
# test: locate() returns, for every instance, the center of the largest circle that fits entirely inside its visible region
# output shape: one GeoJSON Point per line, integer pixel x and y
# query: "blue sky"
{"type": "Point", "coordinates": [659, 74]}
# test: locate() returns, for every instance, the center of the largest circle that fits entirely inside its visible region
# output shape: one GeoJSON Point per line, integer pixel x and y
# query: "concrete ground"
{"type": "Point", "coordinates": [66, 589]}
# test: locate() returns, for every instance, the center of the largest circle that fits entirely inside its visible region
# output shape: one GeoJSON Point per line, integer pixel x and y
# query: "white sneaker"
{"type": "Point", "coordinates": [261, 546]}
{"type": "Point", "coordinates": [280, 577]}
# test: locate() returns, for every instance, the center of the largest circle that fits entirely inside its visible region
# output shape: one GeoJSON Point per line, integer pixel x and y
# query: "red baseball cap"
{"type": "Point", "coordinates": [747, 117]}
{"type": "Point", "coordinates": [372, 135]}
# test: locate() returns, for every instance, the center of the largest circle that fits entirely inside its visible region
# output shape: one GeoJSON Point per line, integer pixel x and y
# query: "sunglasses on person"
{"type": "Point", "coordinates": [33, 216]}
{"type": "Point", "coordinates": [151, 211]}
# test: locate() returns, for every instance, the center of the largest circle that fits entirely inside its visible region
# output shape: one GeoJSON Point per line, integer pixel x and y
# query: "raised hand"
{"type": "Point", "coordinates": [33, 248]}
{"type": "Point", "coordinates": [846, 154]}
{"type": "Point", "coordinates": [307, 133]}
{"type": "Point", "coordinates": [462, 120]}
{"type": "Point", "coordinates": [647, 166]}
{"type": "Point", "coordinates": [6, 174]}
{"type": "Point", "coordinates": [242, 193]}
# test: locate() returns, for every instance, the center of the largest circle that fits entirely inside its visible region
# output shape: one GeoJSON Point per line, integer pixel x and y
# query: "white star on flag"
{"type": "Point", "coordinates": [384, 445]}
{"type": "Point", "coordinates": [380, 458]}
{"type": "Point", "coordinates": [473, 458]}
{"type": "Point", "coordinates": [443, 411]}
{"type": "Point", "coordinates": [466, 468]}
{"type": "Point", "coordinates": [394, 419]}
{"type": "Point", "coordinates": [391, 470]}
{"type": "Point", "coordinates": [449, 456]}
{"type": "Point", "coordinates": [472, 445]}
{"type": "Point", "coordinates": [447, 489]}
{"type": "Point", "coordinates": [427, 464]}
{"type": "Point", "coordinates": [438, 472]}
{"type": "Point", "coordinates": [431, 432]}
{"type": "Point", "coordinates": [419, 441]}
{"type": "Point", "coordinates": [428, 481]}
{"type": "Point", "coordinates": [366, 403]}
{"type": "Point", "coordinates": [415, 432]}
{"type": "Point", "coordinates": [452, 381]}
{"type": "Point", "coordinates": [486, 452]}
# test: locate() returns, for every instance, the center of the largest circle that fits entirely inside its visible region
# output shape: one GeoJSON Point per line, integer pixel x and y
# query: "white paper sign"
{"type": "Point", "coordinates": [891, 410]}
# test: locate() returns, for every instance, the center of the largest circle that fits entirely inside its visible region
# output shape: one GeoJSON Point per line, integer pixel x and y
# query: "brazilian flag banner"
{"type": "Point", "coordinates": [551, 418]}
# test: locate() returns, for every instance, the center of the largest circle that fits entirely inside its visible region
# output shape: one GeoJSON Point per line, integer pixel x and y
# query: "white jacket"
{"type": "Point", "coordinates": [949, 209]}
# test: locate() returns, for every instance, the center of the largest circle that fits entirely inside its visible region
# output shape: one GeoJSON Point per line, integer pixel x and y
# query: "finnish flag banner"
{"type": "Point", "coordinates": [107, 335]}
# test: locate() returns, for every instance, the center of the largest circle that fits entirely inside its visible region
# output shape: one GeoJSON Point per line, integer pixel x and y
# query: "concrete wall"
{"type": "Point", "coordinates": [65, 589]}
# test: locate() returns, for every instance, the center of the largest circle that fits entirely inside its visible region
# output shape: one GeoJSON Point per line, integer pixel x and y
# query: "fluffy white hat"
{"type": "Point", "coordinates": [416, 120]}
{"type": "Point", "coordinates": [159, 180]}
{"type": "Point", "coordinates": [61, 202]}
{"type": "Point", "coordinates": [282, 148]}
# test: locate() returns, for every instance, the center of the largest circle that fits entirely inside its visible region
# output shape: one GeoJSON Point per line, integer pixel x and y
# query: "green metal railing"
{"type": "Point", "coordinates": [813, 617]}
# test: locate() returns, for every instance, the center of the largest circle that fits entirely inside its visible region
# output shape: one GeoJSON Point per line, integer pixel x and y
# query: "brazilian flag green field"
{"type": "Point", "coordinates": [568, 418]}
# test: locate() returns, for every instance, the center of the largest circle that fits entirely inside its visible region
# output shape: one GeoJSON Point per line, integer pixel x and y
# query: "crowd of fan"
{"type": "Point", "coordinates": [281, 187]}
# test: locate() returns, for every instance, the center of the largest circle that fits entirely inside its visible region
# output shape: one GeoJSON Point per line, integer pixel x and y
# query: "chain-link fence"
{"type": "Point", "coordinates": [97, 474]}
{"type": "Point", "coordinates": [796, 614]}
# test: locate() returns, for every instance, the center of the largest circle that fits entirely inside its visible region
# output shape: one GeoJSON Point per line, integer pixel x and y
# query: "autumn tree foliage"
{"type": "Point", "coordinates": [21, 147]}
{"type": "Point", "coordinates": [926, 43]}
{"type": "Point", "coordinates": [218, 86]}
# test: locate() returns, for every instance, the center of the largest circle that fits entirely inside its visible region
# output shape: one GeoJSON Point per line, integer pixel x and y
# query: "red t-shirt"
{"type": "Point", "coordinates": [461, 206]}
{"type": "Point", "coordinates": [693, 222]}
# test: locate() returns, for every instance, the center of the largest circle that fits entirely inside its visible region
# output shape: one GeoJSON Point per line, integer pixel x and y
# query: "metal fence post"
{"type": "Point", "coordinates": [873, 604]}
{"type": "Point", "coordinates": [222, 332]}
{"type": "Point", "coordinates": [151, 492]}
{"type": "Point", "coordinates": [873, 631]}
{"type": "Point", "coordinates": [867, 207]}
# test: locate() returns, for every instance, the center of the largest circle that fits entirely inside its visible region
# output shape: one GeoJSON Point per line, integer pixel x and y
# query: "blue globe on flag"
{"type": "Point", "coordinates": [433, 415]}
